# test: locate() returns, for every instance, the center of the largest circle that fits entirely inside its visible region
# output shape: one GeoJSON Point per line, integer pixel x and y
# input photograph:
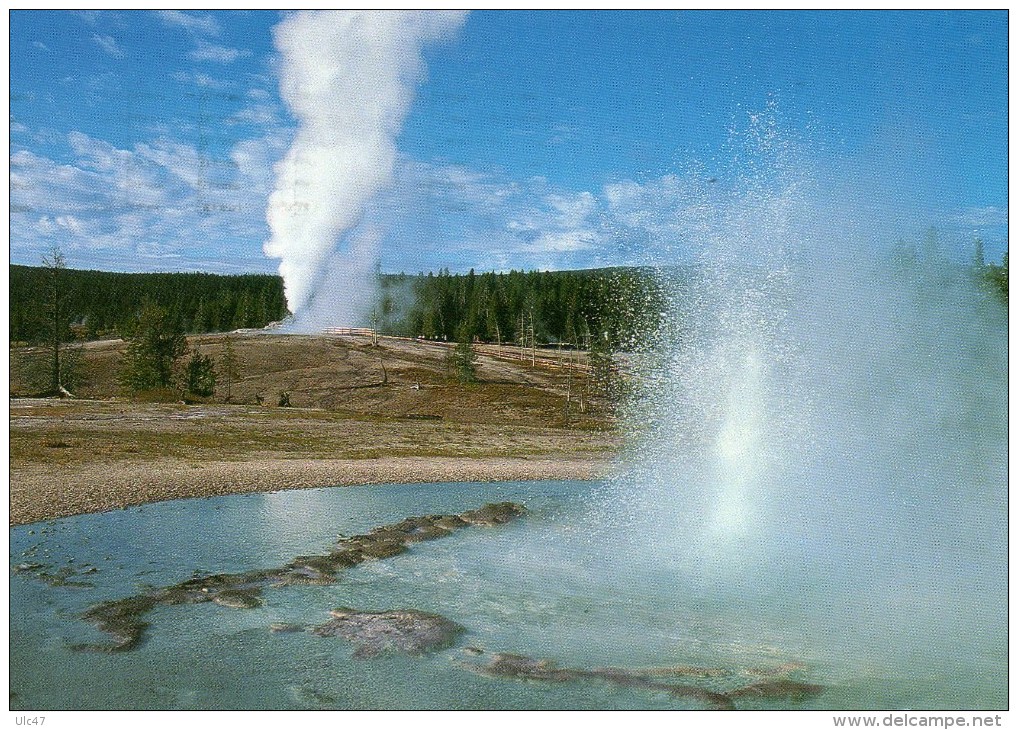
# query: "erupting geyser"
{"type": "Point", "coordinates": [348, 77]}
{"type": "Point", "coordinates": [820, 445]}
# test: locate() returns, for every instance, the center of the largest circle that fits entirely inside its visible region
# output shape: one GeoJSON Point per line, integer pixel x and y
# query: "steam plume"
{"type": "Point", "coordinates": [348, 77]}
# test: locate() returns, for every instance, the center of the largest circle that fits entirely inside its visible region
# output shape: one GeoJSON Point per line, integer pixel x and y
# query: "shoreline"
{"type": "Point", "coordinates": [40, 492]}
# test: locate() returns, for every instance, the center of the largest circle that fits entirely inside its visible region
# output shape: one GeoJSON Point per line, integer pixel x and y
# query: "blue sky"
{"type": "Point", "coordinates": [145, 141]}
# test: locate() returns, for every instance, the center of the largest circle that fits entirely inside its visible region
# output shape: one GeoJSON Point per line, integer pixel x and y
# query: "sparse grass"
{"type": "Point", "coordinates": [93, 432]}
{"type": "Point", "coordinates": [56, 444]}
{"type": "Point", "coordinates": [340, 410]}
{"type": "Point", "coordinates": [240, 438]}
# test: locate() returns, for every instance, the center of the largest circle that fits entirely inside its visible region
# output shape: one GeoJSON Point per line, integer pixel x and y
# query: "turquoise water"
{"type": "Point", "coordinates": [536, 587]}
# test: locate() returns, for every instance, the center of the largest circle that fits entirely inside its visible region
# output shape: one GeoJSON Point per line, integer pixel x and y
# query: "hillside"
{"type": "Point", "coordinates": [359, 413]}
{"type": "Point", "coordinates": [396, 377]}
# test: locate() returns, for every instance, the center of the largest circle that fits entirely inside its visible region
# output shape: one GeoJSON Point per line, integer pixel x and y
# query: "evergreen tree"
{"type": "Point", "coordinates": [242, 316]}
{"type": "Point", "coordinates": [200, 375]}
{"type": "Point", "coordinates": [153, 349]}
{"type": "Point", "coordinates": [462, 359]}
{"type": "Point", "coordinates": [229, 366]}
{"type": "Point", "coordinates": [55, 315]}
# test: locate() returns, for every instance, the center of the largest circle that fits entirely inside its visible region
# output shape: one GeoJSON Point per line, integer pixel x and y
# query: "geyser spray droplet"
{"type": "Point", "coordinates": [821, 444]}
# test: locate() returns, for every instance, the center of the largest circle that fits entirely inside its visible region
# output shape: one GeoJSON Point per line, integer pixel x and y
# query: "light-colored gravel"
{"type": "Point", "coordinates": [42, 492]}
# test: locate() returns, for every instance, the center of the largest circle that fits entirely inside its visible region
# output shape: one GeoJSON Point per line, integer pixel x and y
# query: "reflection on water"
{"type": "Point", "coordinates": [534, 587]}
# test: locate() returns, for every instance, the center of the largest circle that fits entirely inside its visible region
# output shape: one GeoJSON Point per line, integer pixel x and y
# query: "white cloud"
{"type": "Point", "coordinates": [573, 210]}
{"type": "Point", "coordinates": [258, 114]}
{"type": "Point", "coordinates": [194, 24]}
{"type": "Point", "coordinates": [162, 200]}
{"type": "Point", "coordinates": [199, 79]}
{"type": "Point", "coordinates": [40, 185]}
{"type": "Point", "coordinates": [560, 229]}
{"type": "Point", "coordinates": [181, 160]}
{"type": "Point", "coordinates": [563, 242]}
{"type": "Point", "coordinates": [562, 133]}
{"type": "Point", "coordinates": [668, 211]}
{"type": "Point", "coordinates": [202, 28]}
{"type": "Point", "coordinates": [89, 16]}
{"type": "Point", "coordinates": [981, 217]}
{"type": "Point", "coordinates": [167, 200]}
{"type": "Point", "coordinates": [438, 215]}
{"type": "Point", "coordinates": [69, 222]}
{"type": "Point", "coordinates": [40, 45]}
{"type": "Point", "coordinates": [109, 44]}
{"type": "Point", "coordinates": [254, 159]}
{"type": "Point", "coordinates": [262, 110]}
{"type": "Point", "coordinates": [216, 54]}
{"type": "Point", "coordinates": [453, 188]}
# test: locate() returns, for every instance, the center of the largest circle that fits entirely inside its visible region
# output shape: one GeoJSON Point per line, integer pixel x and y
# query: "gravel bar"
{"type": "Point", "coordinates": [44, 492]}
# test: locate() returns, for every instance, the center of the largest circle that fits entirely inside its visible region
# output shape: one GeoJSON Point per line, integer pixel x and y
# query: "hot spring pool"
{"type": "Point", "coordinates": [535, 587]}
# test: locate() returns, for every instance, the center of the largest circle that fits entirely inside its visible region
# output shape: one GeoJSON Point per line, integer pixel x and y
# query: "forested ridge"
{"type": "Point", "coordinates": [615, 308]}
{"type": "Point", "coordinates": [543, 307]}
{"type": "Point", "coordinates": [537, 307]}
{"type": "Point", "coordinates": [99, 304]}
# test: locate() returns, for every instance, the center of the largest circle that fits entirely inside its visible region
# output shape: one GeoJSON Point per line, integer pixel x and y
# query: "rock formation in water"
{"type": "Point", "coordinates": [409, 632]}
{"type": "Point", "coordinates": [123, 619]}
{"type": "Point", "coordinates": [417, 633]}
{"type": "Point", "coordinates": [778, 689]}
{"type": "Point", "coordinates": [516, 666]}
{"type": "Point", "coordinates": [65, 577]}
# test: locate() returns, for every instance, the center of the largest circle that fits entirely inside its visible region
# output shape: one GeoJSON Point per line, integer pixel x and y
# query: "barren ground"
{"type": "Point", "coordinates": [361, 413]}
